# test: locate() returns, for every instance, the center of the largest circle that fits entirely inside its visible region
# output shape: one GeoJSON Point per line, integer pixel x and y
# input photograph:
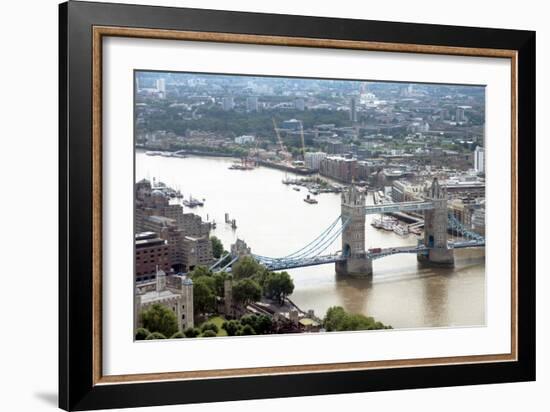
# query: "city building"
{"type": "Point", "coordinates": [339, 168]}
{"type": "Point", "coordinates": [353, 110]}
{"type": "Point", "coordinates": [292, 124]}
{"type": "Point", "coordinates": [312, 160]}
{"type": "Point", "coordinates": [228, 103]}
{"type": "Point", "coordinates": [252, 104]}
{"type": "Point", "coordinates": [187, 237]}
{"type": "Point", "coordinates": [174, 292]}
{"type": "Point", "coordinates": [244, 139]}
{"type": "Point", "coordinates": [161, 85]}
{"type": "Point", "coordinates": [478, 220]}
{"type": "Point", "coordinates": [300, 104]}
{"type": "Point", "coordinates": [463, 212]}
{"type": "Point", "coordinates": [152, 253]}
{"type": "Point", "coordinates": [363, 170]}
{"type": "Point", "coordinates": [197, 251]}
{"type": "Point", "coordinates": [335, 147]}
{"type": "Point", "coordinates": [459, 116]}
{"type": "Point", "coordinates": [403, 191]}
{"type": "Point", "coordinates": [479, 159]}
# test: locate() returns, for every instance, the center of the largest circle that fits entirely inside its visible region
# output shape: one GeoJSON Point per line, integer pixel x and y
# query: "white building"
{"type": "Point", "coordinates": [479, 159]}
{"type": "Point", "coordinates": [244, 139]}
{"type": "Point", "coordinates": [312, 160]}
{"type": "Point", "coordinates": [161, 85]}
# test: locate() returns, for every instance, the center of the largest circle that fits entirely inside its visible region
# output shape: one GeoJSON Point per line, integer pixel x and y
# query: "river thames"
{"type": "Point", "coordinates": [275, 221]}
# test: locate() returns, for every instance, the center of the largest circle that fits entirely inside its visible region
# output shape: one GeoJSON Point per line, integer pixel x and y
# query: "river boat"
{"type": "Point", "coordinates": [384, 222]}
{"type": "Point", "coordinates": [192, 202]}
{"type": "Point", "coordinates": [237, 166]}
{"type": "Point", "coordinates": [401, 230]}
{"type": "Point", "coordinates": [310, 200]}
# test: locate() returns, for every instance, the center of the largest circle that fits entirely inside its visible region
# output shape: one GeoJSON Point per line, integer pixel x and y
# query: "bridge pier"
{"type": "Point", "coordinates": [356, 266]}
{"type": "Point", "coordinates": [438, 257]}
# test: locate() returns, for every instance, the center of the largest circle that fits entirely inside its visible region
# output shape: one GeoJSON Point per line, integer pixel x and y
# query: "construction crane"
{"type": "Point", "coordinates": [303, 141]}
{"type": "Point", "coordinates": [282, 147]}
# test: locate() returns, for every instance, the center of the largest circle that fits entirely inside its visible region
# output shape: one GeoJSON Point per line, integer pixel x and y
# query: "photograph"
{"type": "Point", "coordinates": [268, 205]}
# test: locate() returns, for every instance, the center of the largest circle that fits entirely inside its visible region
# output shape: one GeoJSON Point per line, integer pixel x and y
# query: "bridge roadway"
{"type": "Point", "coordinates": [283, 264]}
{"type": "Point", "coordinates": [398, 207]}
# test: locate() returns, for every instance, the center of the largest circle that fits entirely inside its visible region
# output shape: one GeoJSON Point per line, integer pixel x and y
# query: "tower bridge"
{"type": "Point", "coordinates": [354, 258]}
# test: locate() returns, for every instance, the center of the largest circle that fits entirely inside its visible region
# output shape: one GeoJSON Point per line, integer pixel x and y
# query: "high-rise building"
{"type": "Point", "coordinates": [459, 116]}
{"type": "Point", "coordinates": [252, 104]}
{"type": "Point", "coordinates": [161, 85]}
{"type": "Point", "coordinates": [228, 103]}
{"type": "Point", "coordinates": [313, 159]}
{"type": "Point", "coordinates": [479, 159]}
{"type": "Point", "coordinates": [353, 109]}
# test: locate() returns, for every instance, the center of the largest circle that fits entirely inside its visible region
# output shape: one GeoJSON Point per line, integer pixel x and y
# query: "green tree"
{"type": "Point", "coordinates": [246, 291]}
{"type": "Point", "coordinates": [219, 281]}
{"type": "Point", "coordinates": [177, 335]}
{"type": "Point", "coordinates": [203, 295]}
{"type": "Point", "coordinates": [217, 247]}
{"type": "Point", "coordinates": [199, 271]}
{"type": "Point", "coordinates": [155, 335]}
{"type": "Point", "coordinates": [209, 326]}
{"type": "Point", "coordinates": [142, 333]}
{"type": "Point", "coordinates": [208, 334]}
{"type": "Point", "coordinates": [232, 327]}
{"type": "Point", "coordinates": [206, 279]}
{"type": "Point", "coordinates": [261, 324]}
{"type": "Point", "coordinates": [334, 318]}
{"type": "Point", "coordinates": [278, 285]}
{"type": "Point", "coordinates": [191, 332]}
{"type": "Point", "coordinates": [246, 267]}
{"type": "Point", "coordinates": [264, 324]}
{"type": "Point", "coordinates": [247, 330]}
{"type": "Point", "coordinates": [159, 318]}
{"type": "Point", "coordinates": [337, 319]}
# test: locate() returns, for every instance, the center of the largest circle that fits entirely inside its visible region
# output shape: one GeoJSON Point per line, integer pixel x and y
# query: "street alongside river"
{"type": "Point", "coordinates": [275, 221]}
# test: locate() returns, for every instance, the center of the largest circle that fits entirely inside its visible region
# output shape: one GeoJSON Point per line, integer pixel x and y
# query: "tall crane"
{"type": "Point", "coordinates": [282, 147]}
{"type": "Point", "coordinates": [303, 141]}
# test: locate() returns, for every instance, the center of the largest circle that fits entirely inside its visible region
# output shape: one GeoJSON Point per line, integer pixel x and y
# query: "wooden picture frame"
{"type": "Point", "coordinates": [82, 384]}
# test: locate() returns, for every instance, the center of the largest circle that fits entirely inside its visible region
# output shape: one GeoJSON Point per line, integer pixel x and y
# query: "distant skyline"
{"type": "Point", "coordinates": [148, 78]}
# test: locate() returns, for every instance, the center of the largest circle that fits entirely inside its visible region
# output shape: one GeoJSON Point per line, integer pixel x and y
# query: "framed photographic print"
{"type": "Point", "coordinates": [257, 205]}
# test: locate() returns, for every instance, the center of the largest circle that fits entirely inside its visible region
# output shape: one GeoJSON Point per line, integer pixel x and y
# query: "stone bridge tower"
{"type": "Point", "coordinates": [353, 236]}
{"type": "Point", "coordinates": [435, 227]}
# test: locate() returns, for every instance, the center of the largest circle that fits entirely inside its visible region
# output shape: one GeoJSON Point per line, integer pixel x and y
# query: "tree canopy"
{"type": "Point", "coordinates": [159, 318]}
{"type": "Point", "coordinates": [337, 319]}
{"type": "Point", "coordinates": [217, 247]}
{"type": "Point", "coordinates": [278, 285]}
{"type": "Point", "coordinates": [204, 299]}
{"type": "Point", "coordinates": [246, 291]}
{"type": "Point", "coordinates": [246, 267]}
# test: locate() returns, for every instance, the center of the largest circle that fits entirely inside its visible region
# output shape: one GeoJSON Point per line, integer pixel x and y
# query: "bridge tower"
{"type": "Point", "coordinates": [353, 237]}
{"type": "Point", "coordinates": [435, 228]}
